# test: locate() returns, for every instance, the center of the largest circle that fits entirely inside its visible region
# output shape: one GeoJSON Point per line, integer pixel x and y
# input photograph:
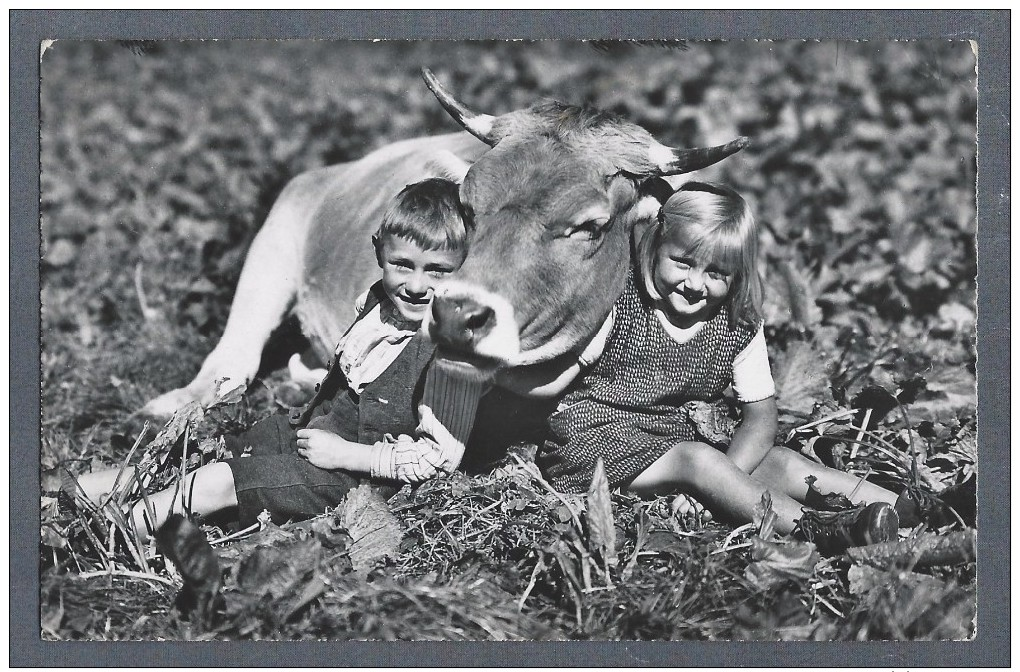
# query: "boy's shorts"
{"type": "Point", "coordinates": [274, 477]}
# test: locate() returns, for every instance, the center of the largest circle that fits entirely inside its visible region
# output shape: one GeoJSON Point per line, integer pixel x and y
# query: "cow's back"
{"type": "Point", "coordinates": [339, 260]}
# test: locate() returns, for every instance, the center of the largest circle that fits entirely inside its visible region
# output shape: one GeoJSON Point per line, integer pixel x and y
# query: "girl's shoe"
{"type": "Point", "coordinates": [835, 531]}
{"type": "Point", "coordinates": [916, 506]}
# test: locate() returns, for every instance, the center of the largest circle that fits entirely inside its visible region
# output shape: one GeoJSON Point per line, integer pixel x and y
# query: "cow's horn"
{"type": "Point", "coordinates": [479, 125]}
{"type": "Point", "coordinates": [670, 161]}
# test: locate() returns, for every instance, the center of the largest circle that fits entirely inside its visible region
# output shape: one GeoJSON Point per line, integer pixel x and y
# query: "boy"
{"type": "Point", "coordinates": [299, 467]}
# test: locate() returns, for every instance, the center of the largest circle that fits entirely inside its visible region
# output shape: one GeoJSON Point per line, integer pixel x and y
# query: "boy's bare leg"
{"type": "Point", "coordinates": [206, 490]}
{"type": "Point", "coordinates": [95, 485]}
{"type": "Point", "coordinates": [784, 470]}
{"type": "Point", "coordinates": [704, 472]}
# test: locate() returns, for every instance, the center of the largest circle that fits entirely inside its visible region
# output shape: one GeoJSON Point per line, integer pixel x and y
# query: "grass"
{"type": "Point", "coordinates": [158, 167]}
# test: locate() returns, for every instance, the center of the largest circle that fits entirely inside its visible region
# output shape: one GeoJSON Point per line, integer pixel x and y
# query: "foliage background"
{"type": "Point", "coordinates": [160, 161]}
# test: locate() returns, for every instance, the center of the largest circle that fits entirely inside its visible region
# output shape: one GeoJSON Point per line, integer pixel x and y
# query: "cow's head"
{"type": "Point", "coordinates": [554, 203]}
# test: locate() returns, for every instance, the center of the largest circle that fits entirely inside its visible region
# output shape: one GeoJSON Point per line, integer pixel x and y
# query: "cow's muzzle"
{"type": "Point", "coordinates": [472, 328]}
{"type": "Point", "coordinates": [460, 323]}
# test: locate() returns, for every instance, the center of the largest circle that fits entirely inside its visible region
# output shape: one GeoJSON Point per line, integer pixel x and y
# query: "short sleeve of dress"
{"type": "Point", "coordinates": [752, 374]}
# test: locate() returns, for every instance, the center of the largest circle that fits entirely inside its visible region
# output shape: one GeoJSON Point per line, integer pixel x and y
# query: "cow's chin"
{"type": "Point", "coordinates": [468, 367]}
{"type": "Point", "coordinates": [546, 352]}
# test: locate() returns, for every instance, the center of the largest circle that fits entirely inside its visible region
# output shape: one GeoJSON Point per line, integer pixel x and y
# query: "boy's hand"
{"type": "Point", "coordinates": [327, 450]}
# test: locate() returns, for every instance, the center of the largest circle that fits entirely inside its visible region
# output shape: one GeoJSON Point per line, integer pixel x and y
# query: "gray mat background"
{"type": "Point", "coordinates": [990, 29]}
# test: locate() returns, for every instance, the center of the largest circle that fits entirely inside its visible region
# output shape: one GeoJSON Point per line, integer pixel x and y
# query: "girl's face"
{"type": "Point", "coordinates": [692, 287]}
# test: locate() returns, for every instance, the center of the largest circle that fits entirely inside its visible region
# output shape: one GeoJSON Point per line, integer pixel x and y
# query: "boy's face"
{"type": "Point", "coordinates": [411, 273]}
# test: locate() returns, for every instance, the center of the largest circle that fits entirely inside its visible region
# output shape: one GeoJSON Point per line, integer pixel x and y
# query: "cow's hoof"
{"type": "Point", "coordinates": [301, 374]}
{"type": "Point", "coordinates": [164, 406]}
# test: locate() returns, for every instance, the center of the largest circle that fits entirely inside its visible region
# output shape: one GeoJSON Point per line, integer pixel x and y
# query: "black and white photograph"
{"type": "Point", "coordinates": [530, 340]}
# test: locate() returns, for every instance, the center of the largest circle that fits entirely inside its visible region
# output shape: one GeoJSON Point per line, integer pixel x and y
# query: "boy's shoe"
{"type": "Point", "coordinates": [835, 531]}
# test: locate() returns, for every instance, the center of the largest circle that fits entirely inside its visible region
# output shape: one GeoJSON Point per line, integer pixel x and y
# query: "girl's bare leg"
{"type": "Point", "coordinates": [785, 471]}
{"type": "Point", "coordinates": [704, 472]}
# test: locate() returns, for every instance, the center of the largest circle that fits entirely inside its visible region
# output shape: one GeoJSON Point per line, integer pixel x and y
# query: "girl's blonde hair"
{"type": "Point", "coordinates": [718, 225]}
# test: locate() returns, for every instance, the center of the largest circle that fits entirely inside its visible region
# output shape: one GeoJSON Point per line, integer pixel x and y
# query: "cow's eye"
{"type": "Point", "coordinates": [588, 229]}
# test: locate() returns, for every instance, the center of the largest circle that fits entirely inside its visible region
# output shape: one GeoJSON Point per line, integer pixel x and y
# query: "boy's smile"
{"type": "Point", "coordinates": [411, 273]}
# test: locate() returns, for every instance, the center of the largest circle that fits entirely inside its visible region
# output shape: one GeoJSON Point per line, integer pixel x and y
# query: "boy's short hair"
{"type": "Point", "coordinates": [429, 214]}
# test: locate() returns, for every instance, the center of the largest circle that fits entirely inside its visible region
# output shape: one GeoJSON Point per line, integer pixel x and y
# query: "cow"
{"type": "Point", "coordinates": [554, 192]}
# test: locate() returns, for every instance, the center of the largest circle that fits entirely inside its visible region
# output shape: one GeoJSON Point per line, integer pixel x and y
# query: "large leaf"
{"type": "Point", "coordinates": [601, 526]}
{"type": "Point", "coordinates": [791, 296]}
{"type": "Point", "coordinates": [802, 379]}
{"type": "Point", "coordinates": [951, 391]}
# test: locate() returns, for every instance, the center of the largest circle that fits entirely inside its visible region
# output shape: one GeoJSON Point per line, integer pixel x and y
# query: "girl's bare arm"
{"type": "Point", "coordinates": [755, 434]}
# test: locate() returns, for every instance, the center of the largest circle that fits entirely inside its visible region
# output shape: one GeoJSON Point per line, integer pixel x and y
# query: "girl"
{"type": "Point", "coordinates": [687, 326]}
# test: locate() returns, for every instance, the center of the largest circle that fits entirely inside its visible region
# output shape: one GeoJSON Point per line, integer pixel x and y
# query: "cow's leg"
{"type": "Point", "coordinates": [267, 287]}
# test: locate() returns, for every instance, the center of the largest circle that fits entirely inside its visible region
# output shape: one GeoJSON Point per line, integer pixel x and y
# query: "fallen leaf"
{"type": "Point", "coordinates": [185, 545]}
{"type": "Point", "coordinates": [60, 253]}
{"type": "Point", "coordinates": [925, 550]}
{"type": "Point", "coordinates": [951, 391]}
{"type": "Point", "coordinates": [375, 531]}
{"type": "Point", "coordinates": [50, 536]}
{"type": "Point", "coordinates": [956, 317]}
{"type": "Point", "coordinates": [792, 296]}
{"type": "Point", "coordinates": [711, 421]}
{"type": "Point", "coordinates": [775, 562]}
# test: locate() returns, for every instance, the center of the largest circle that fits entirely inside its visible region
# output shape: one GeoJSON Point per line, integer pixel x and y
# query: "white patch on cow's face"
{"type": "Point", "coordinates": [502, 342]}
{"type": "Point", "coordinates": [647, 209]}
{"type": "Point", "coordinates": [660, 155]}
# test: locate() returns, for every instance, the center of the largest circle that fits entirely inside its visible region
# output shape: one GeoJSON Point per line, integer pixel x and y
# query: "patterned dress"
{"type": "Point", "coordinates": [629, 407]}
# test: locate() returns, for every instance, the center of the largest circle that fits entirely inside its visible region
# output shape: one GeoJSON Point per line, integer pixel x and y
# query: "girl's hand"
{"type": "Point", "coordinates": [686, 506]}
{"type": "Point", "coordinates": [325, 450]}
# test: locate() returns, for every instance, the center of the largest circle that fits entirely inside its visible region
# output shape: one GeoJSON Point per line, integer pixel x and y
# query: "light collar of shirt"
{"type": "Point", "coordinates": [389, 315]}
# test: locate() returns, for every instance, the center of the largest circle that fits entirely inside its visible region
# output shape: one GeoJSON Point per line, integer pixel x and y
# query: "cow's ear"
{"type": "Point", "coordinates": [657, 188]}
{"type": "Point", "coordinates": [447, 164]}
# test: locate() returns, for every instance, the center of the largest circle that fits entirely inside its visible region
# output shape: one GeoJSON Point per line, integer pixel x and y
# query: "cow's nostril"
{"type": "Point", "coordinates": [478, 318]}
{"type": "Point", "coordinates": [459, 323]}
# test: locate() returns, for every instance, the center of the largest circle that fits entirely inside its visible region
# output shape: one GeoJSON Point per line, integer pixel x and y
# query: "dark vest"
{"type": "Point", "coordinates": [389, 405]}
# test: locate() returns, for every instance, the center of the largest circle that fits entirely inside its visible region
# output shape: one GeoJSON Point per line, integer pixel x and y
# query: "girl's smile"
{"type": "Point", "coordinates": [692, 288]}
